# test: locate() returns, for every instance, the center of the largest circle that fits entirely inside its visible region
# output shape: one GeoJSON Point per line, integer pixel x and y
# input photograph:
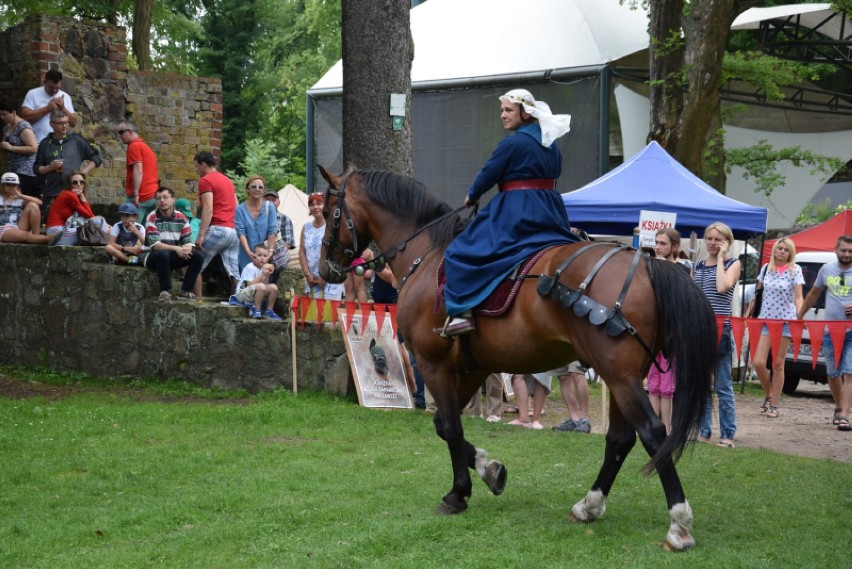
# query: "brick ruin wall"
{"type": "Point", "coordinates": [177, 115]}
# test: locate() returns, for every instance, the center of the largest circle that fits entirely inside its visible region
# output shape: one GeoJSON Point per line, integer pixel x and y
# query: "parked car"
{"type": "Point", "coordinates": [803, 368]}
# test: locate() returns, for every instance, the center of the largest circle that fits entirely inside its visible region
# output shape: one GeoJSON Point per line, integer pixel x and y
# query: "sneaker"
{"type": "Point", "coordinates": [493, 419]}
{"type": "Point", "coordinates": [165, 296]}
{"type": "Point", "coordinates": [271, 315]}
{"type": "Point", "coordinates": [234, 302]}
{"type": "Point", "coordinates": [187, 295]}
{"type": "Point", "coordinates": [456, 326]}
{"type": "Point", "coordinates": [255, 313]}
{"type": "Point", "coordinates": [583, 426]}
{"type": "Point", "coordinates": [566, 425]}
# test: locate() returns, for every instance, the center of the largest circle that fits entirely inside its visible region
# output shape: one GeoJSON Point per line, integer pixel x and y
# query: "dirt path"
{"type": "Point", "coordinates": [803, 428]}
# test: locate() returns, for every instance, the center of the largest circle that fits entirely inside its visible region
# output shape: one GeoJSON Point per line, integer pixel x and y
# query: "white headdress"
{"type": "Point", "coordinates": [552, 126]}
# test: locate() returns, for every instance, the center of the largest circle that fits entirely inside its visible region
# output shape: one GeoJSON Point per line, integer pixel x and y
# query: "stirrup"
{"type": "Point", "coordinates": [456, 326]}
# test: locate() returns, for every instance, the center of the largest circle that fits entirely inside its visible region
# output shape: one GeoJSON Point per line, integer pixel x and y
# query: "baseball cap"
{"type": "Point", "coordinates": [10, 178]}
{"type": "Point", "coordinates": [184, 206]}
{"type": "Point", "coordinates": [270, 192]}
{"type": "Point", "coordinates": [128, 208]}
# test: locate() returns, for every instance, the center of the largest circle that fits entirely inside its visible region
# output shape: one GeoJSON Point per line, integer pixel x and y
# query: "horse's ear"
{"type": "Point", "coordinates": [329, 177]}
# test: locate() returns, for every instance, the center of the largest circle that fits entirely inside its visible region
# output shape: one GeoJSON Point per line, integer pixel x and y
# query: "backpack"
{"type": "Point", "coordinates": [90, 233]}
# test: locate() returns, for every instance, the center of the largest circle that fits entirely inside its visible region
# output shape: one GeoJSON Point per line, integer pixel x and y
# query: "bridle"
{"type": "Point", "coordinates": [333, 243]}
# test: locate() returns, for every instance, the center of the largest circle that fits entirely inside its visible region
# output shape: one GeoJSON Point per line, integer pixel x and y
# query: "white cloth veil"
{"type": "Point", "coordinates": [552, 126]}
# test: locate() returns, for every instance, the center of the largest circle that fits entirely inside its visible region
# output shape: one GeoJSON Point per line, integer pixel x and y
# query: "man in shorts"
{"type": "Point", "coordinates": [837, 278]}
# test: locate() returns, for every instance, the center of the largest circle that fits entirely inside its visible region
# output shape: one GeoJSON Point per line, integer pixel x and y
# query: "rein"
{"type": "Point", "coordinates": [333, 243]}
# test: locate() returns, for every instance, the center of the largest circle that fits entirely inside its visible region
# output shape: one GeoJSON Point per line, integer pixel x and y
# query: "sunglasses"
{"type": "Point", "coordinates": [78, 182]}
{"type": "Point", "coordinates": [123, 130]}
{"type": "Point", "coordinates": [256, 187]}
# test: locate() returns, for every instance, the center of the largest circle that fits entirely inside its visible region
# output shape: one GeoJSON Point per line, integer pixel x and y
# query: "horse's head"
{"type": "Point", "coordinates": [341, 243]}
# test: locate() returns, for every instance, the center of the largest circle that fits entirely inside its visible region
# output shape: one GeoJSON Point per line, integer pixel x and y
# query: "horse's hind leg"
{"type": "Point", "coordinates": [620, 439]}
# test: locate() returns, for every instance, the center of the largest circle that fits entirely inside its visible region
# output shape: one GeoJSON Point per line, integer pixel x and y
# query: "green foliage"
{"type": "Point", "coordinates": [769, 74]}
{"type": "Point", "coordinates": [760, 162]}
{"type": "Point", "coordinates": [812, 213]}
{"type": "Point", "coordinates": [259, 159]}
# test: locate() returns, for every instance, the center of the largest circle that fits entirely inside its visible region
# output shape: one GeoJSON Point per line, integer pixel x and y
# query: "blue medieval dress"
{"type": "Point", "coordinates": [514, 225]}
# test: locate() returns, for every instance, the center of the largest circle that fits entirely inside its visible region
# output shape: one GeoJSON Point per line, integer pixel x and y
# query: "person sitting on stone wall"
{"type": "Point", "coordinates": [126, 239]}
{"type": "Point", "coordinates": [19, 214]}
{"type": "Point", "coordinates": [70, 210]}
{"type": "Point", "coordinates": [169, 240]}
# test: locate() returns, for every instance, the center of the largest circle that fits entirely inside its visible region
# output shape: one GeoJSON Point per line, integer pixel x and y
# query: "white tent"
{"type": "Point", "coordinates": [293, 202]}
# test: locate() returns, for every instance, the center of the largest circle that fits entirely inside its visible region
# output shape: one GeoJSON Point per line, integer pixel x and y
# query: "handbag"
{"type": "Point", "coordinates": [91, 233]}
{"type": "Point", "coordinates": [758, 297]}
{"type": "Point", "coordinates": [281, 253]}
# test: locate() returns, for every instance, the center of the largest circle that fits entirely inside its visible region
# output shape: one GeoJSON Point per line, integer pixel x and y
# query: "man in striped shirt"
{"type": "Point", "coordinates": [168, 236]}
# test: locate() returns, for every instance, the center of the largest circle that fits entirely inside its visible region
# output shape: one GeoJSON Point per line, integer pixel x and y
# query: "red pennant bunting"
{"type": "Point", "coordinates": [350, 314]}
{"type": "Point", "coordinates": [294, 307]}
{"type": "Point", "coordinates": [775, 327]}
{"type": "Point", "coordinates": [837, 330]}
{"type": "Point", "coordinates": [320, 310]}
{"type": "Point", "coordinates": [306, 305]}
{"type": "Point", "coordinates": [379, 310]}
{"type": "Point", "coordinates": [366, 308]}
{"type": "Point", "coordinates": [392, 311]}
{"type": "Point", "coordinates": [755, 327]}
{"type": "Point", "coordinates": [796, 329]}
{"type": "Point", "coordinates": [738, 331]}
{"type": "Point", "coordinates": [815, 331]}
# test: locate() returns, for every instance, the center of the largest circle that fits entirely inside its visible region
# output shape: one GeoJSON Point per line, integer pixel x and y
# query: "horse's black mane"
{"type": "Point", "coordinates": [410, 200]}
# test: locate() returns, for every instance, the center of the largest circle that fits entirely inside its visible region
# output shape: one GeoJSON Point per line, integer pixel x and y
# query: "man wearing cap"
{"type": "Point", "coordinates": [169, 240]}
{"type": "Point", "coordinates": [142, 177]}
{"type": "Point", "coordinates": [60, 154]}
{"type": "Point", "coordinates": [20, 218]}
{"type": "Point", "coordinates": [526, 216]}
{"type": "Point", "coordinates": [285, 224]}
{"type": "Point", "coordinates": [41, 101]}
{"type": "Point", "coordinates": [126, 238]}
{"type": "Point", "coordinates": [217, 234]}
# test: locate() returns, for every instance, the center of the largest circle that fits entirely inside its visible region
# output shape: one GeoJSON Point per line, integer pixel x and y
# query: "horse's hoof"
{"type": "Point", "coordinates": [447, 509]}
{"type": "Point", "coordinates": [495, 477]}
{"type": "Point", "coordinates": [676, 544]}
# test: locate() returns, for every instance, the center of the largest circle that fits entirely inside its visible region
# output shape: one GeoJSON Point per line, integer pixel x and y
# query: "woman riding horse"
{"type": "Point", "coordinates": [526, 216]}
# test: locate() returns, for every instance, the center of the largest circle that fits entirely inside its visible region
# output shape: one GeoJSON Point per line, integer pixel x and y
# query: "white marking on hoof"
{"type": "Point", "coordinates": [481, 462]}
{"type": "Point", "coordinates": [678, 537]}
{"type": "Point", "coordinates": [589, 508]}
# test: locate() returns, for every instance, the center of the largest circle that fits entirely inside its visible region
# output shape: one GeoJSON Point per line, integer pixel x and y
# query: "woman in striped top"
{"type": "Point", "coordinates": [717, 275]}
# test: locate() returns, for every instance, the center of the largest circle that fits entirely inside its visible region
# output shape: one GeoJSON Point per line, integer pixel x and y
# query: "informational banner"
{"type": "Point", "coordinates": [652, 221]}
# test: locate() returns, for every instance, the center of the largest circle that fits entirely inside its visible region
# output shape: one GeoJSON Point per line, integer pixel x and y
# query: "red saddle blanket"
{"type": "Point", "coordinates": [499, 301]}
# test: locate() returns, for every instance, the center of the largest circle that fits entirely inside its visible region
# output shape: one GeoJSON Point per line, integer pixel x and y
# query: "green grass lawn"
{"type": "Point", "coordinates": [160, 477]}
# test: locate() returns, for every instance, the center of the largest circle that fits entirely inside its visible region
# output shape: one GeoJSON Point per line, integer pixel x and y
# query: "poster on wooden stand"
{"type": "Point", "coordinates": [376, 362]}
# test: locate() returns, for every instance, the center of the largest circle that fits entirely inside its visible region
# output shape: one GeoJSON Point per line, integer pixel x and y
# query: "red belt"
{"type": "Point", "coordinates": [532, 184]}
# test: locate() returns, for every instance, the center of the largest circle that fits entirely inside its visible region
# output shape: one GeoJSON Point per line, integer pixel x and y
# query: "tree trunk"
{"type": "Point", "coordinates": [683, 130]}
{"type": "Point", "coordinates": [142, 33]}
{"type": "Point", "coordinates": [377, 55]}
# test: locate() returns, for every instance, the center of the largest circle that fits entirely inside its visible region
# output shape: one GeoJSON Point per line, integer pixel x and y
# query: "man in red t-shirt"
{"type": "Point", "coordinates": [142, 178]}
{"type": "Point", "coordinates": [217, 234]}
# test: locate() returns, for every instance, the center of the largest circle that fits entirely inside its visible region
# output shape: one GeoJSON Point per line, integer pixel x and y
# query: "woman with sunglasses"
{"type": "Point", "coordinates": [70, 209]}
{"type": "Point", "coordinates": [256, 221]}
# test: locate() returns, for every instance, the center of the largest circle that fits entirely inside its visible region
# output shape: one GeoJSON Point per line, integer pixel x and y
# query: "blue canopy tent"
{"type": "Point", "coordinates": [653, 180]}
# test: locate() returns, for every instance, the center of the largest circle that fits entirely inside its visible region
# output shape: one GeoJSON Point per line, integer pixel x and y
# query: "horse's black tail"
{"type": "Point", "coordinates": [690, 341]}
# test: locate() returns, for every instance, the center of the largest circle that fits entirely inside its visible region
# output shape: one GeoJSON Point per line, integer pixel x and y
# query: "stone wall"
{"type": "Point", "coordinates": [66, 308]}
{"type": "Point", "coordinates": [177, 115]}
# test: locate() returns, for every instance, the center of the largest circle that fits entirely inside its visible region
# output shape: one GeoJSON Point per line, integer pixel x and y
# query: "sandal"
{"type": "Point", "coordinates": [836, 419]}
{"type": "Point", "coordinates": [765, 406]}
{"type": "Point", "coordinates": [843, 424]}
{"type": "Point", "coordinates": [517, 423]}
{"type": "Point", "coordinates": [773, 412]}
{"type": "Point", "coordinates": [725, 444]}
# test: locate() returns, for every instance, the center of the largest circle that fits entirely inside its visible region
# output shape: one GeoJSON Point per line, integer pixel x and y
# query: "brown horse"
{"type": "Point", "coordinates": [662, 306]}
